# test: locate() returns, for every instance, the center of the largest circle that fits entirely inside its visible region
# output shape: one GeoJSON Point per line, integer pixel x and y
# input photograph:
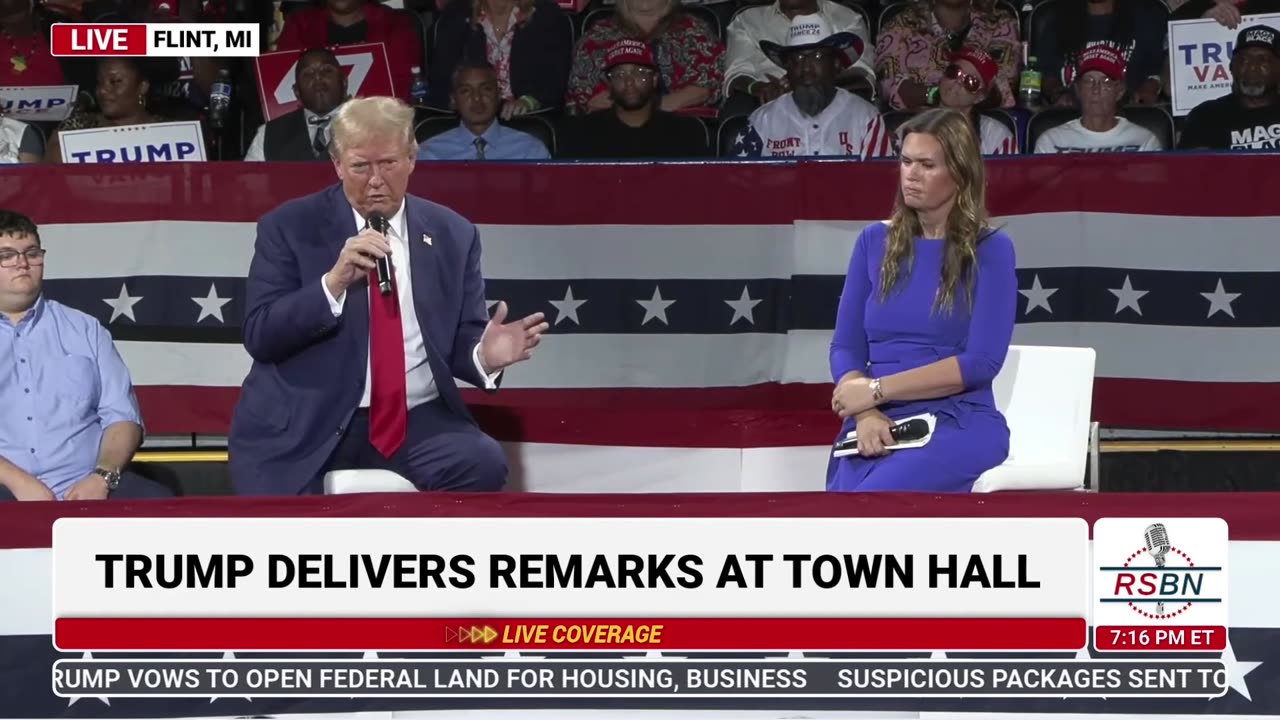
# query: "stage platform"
{"type": "Point", "coordinates": [1164, 465]}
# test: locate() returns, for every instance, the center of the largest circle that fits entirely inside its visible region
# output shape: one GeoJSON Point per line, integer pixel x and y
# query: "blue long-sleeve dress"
{"type": "Point", "coordinates": [880, 338]}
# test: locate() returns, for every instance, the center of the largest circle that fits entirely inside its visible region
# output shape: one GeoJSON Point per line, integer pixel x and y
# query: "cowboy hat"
{"type": "Point", "coordinates": [808, 32]}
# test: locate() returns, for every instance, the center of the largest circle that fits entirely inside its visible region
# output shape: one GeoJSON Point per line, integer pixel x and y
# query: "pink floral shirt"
{"type": "Point", "coordinates": [913, 46]}
{"type": "Point", "coordinates": [498, 49]}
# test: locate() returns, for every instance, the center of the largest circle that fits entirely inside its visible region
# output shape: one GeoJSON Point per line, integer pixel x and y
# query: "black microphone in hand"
{"type": "Point", "coordinates": [909, 431]}
{"type": "Point", "coordinates": [379, 224]}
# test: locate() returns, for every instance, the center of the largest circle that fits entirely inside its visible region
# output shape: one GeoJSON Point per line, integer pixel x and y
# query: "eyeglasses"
{"type": "Point", "coordinates": [632, 74]}
{"type": "Point", "coordinates": [34, 256]}
{"type": "Point", "coordinates": [1094, 83]}
{"type": "Point", "coordinates": [971, 83]}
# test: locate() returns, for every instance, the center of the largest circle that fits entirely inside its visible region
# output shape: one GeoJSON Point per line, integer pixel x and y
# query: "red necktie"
{"type": "Point", "coordinates": [388, 406]}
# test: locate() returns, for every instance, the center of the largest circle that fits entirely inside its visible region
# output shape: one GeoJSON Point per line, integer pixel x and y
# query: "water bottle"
{"type": "Point", "coordinates": [220, 99]}
{"type": "Point", "coordinates": [419, 89]}
{"type": "Point", "coordinates": [1029, 85]}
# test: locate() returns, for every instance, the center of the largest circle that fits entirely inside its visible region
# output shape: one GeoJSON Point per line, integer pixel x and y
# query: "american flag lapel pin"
{"type": "Point", "coordinates": [426, 238]}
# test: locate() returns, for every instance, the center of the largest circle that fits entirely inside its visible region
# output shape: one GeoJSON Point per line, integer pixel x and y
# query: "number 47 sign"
{"type": "Point", "coordinates": [366, 66]}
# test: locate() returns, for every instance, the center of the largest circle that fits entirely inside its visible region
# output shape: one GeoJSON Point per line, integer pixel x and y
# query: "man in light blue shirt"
{"type": "Point", "coordinates": [479, 136]}
{"type": "Point", "coordinates": [69, 421]}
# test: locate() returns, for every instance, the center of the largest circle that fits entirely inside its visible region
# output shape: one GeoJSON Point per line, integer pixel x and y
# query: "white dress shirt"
{"type": "Point", "coordinates": [420, 383]}
{"type": "Point", "coordinates": [256, 150]}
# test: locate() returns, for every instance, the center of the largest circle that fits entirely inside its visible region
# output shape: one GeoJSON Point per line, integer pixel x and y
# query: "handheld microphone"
{"type": "Point", "coordinates": [1157, 539]}
{"type": "Point", "coordinates": [909, 431]}
{"type": "Point", "coordinates": [379, 224]}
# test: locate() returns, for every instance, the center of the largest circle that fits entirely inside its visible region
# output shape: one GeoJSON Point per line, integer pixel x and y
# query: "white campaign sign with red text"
{"type": "Point", "coordinates": [366, 67]}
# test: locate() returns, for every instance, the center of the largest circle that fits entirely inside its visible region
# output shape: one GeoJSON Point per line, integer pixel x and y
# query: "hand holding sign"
{"type": "Point", "coordinates": [366, 65]}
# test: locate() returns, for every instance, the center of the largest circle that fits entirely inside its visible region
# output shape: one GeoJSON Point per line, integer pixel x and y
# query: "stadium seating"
{"type": "Point", "coordinates": [1046, 395]}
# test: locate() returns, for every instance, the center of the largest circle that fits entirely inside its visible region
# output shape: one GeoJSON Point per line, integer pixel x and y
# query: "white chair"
{"type": "Point", "coordinates": [1046, 395]}
{"type": "Point", "coordinates": [345, 482]}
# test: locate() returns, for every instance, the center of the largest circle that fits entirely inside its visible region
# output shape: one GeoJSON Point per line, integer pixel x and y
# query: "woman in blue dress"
{"type": "Point", "coordinates": [925, 322]}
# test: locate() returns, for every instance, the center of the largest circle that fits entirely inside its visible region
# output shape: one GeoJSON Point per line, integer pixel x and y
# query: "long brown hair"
{"type": "Point", "coordinates": [967, 223]}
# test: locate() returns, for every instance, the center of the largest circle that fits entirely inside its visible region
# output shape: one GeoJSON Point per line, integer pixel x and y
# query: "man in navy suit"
{"type": "Point", "coordinates": [346, 376]}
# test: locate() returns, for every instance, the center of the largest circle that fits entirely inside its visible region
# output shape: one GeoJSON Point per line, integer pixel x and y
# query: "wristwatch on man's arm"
{"type": "Point", "coordinates": [111, 476]}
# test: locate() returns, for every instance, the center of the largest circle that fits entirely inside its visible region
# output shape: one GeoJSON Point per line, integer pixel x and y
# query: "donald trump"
{"type": "Point", "coordinates": [345, 375]}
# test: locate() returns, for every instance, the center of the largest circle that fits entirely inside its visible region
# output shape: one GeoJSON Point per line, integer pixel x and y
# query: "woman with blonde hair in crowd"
{"type": "Point", "coordinates": [689, 55]}
{"type": "Point", "coordinates": [925, 322]}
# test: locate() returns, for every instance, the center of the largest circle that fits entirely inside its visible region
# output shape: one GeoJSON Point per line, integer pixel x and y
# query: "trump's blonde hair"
{"type": "Point", "coordinates": [361, 120]}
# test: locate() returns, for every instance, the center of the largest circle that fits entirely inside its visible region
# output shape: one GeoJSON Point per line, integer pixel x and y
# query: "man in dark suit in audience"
{"type": "Point", "coordinates": [303, 135]}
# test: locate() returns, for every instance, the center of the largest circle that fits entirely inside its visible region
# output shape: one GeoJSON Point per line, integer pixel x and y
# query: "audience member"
{"type": "Point", "coordinates": [690, 58]}
{"type": "Point", "coordinates": [303, 134]}
{"type": "Point", "coordinates": [965, 83]}
{"type": "Point", "coordinates": [1249, 117]}
{"type": "Point", "coordinates": [1099, 83]}
{"type": "Point", "coordinates": [1136, 29]}
{"type": "Point", "coordinates": [529, 43]}
{"type": "Point", "coordinates": [71, 422]}
{"type": "Point", "coordinates": [815, 117]}
{"type": "Point", "coordinates": [1226, 12]}
{"type": "Point", "coordinates": [479, 136]}
{"type": "Point", "coordinates": [19, 142]}
{"type": "Point", "coordinates": [351, 22]}
{"type": "Point", "coordinates": [751, 78]}
{"type": "Point", "coordinates": [916, 45]}
{"type": "Point", "coordinates": [24, 50]}
{"type": "Point", "coordinates": [123, 92]}
{"type": "Point", "coordinates": [635, 126]}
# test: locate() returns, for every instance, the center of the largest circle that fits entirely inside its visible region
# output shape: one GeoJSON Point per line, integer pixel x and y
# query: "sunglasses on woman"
{"type": "Point", "coordinates": [970, 83]}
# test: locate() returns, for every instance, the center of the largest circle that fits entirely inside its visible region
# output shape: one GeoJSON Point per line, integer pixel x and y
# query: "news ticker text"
{"type": "Point", "coordinates": [551, 678]}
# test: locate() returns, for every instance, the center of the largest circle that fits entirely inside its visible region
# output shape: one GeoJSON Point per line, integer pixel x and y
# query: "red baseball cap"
{"type": "Point", "coordinates": [981, 61]}
{"type": "Point", "coordinates": [1106, 59]}
{"type": "Point", "coordinates": [628, 52]}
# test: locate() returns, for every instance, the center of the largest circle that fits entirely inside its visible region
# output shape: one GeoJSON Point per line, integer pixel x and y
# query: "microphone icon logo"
{"type": "Point", "coordinates": [1156, 537]}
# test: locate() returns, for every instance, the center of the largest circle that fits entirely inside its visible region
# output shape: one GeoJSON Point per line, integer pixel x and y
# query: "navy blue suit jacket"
{"type": "Point", "coordinates": [308, 366]}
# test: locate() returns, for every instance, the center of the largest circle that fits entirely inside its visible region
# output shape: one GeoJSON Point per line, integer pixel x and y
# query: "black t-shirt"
{"type": "Point", "coordinates": [1225, 124]}
{"type": "Point", "coordinates": [349, 35]}
{"type": "Point", "coordinates": [602, 136]}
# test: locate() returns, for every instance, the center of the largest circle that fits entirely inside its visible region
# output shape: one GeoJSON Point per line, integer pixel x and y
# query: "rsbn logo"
{"type": "Point", "coordinates": [1159, 580]}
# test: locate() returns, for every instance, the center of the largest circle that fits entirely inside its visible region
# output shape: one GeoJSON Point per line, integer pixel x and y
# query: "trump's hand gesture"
{"type": "Point", "coordinates": [507, 343]}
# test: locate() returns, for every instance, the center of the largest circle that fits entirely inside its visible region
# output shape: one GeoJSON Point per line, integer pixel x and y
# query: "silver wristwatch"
{"type": "Point", "coordinates": [111, 476]}
{"type": "Point", "coordinates": [876, 393]}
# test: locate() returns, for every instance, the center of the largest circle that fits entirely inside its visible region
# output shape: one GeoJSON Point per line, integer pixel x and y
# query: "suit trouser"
{"type": "Point", "coordinates": [132, 487]}
{"type": "Point", "coordinates": [441, 452]}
